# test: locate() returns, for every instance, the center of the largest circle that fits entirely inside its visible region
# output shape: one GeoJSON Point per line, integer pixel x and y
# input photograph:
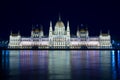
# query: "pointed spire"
{"type": "Point", "coordinates": [77, 33]}
{"type": "Point", "coordinates": [50, 26]}
{"type": "Point", "coordinates": [68, 29]}
{"type": "Point", "coordinates": [67, 23]}
{"type": "Point", "coordinates": [11, 32]}
{"type": "Point", "coordinates": [50, 29]}
{"type": "Point", "coordinates": [41, 31]}
{"type": "Point", "coordinates": [50, 23]}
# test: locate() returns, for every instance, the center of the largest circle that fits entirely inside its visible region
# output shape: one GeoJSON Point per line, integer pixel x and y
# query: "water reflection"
{"type": "Point", "coordinates": [34, 64]}
{"type": "Point", "coordinates": [63, 65]}
{"type": "Point", "coordinates": [59, 65]}
{"type": "Point", "coordinates": [5, 62]}
{"type": "Point", "coordinates": [106, 65]}
{"type": "Point", "coordinates": [84, 63]}
{"type": "Point", "coordinates": [118, 64]}
{"type": "Point", "coordinates": [14, 62]}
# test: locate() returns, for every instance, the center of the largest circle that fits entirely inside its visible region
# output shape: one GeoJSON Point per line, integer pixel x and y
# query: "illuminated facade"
{"type": "Point", "coordinates": [59, 38]}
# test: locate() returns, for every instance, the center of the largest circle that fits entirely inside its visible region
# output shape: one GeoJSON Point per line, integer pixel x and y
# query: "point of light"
{"type": "Point", "coordinates": [113, 57]}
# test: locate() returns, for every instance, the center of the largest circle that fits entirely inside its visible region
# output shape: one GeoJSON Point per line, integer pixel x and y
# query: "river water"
{"type": "Point", "coordinates": [60, 65]}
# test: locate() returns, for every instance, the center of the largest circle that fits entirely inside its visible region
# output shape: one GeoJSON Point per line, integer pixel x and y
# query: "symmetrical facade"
{"type": "Point", "coordinates": [59, 38]}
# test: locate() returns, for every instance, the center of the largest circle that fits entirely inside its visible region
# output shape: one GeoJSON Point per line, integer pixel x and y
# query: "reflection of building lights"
{"type": "Point", "coordinates": [118, 51]}
{"type": "Point", "coordinates": [2, 53]}
{"type": "Point", "coordinates": [113, 41]}
{"type": "Point", "coordinates": [118, 44]}
{"type": "Point", "coordinates": [113, 51]}
{"type": "Point", "coordinates": [119, 59]}
{"type": "Point", "coordinates": [113, 57]}
{"type": "Point", "coordinates": [2, 58]}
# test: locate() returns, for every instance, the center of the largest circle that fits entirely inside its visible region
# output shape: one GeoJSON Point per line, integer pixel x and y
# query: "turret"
{"type": "Point", "coordinates": [50, 30]}
{"type": "Point", "coordinates": [37, 32]}
{"type": "Point", "coordinates": [41, 33]}
{"type": "Point", "coordinates": [32, 30]}
{"type": "Point", "coordinates": [50, 25]}
{"type": "Point", "coordinates": [105, 39]}
{"type": "Point", "coordinates": [87, 33]}
{"type": "Point", "coordinates": [68, 29]}
{"type": "Point", "coordinates": [108, 32]}
{"type": "Point", "coordinates": [78, 33]}
{"type": "Point", "coordinates": [14, 40]}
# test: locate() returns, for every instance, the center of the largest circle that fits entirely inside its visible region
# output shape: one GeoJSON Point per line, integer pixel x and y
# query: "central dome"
{"type": "Point", "coordinates": [59, 24]}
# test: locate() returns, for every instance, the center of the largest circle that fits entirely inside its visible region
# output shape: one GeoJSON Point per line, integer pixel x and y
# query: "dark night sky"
{"type": "Point", "coordinates": [18, 15]}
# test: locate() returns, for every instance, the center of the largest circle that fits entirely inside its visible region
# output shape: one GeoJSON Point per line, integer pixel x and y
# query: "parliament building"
{"type": "Point", "coordinates": [59, 38]}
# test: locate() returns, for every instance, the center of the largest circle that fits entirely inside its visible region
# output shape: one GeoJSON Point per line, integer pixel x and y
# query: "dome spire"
{"type": "Point", "coordinates": [59, 17]}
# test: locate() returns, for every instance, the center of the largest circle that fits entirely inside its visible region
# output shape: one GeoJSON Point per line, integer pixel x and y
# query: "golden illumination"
{"type": "Point", "coordinates": [59, 24]}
